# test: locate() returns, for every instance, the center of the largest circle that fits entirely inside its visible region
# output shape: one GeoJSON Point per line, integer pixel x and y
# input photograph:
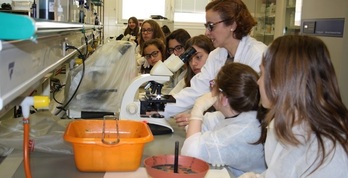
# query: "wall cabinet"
{"type": "Point", "coordinates": [265, 15]}
{"type": "Point", "coordinates": [292, 25]}
{"type": "Point", "coordinates": [275, 18]}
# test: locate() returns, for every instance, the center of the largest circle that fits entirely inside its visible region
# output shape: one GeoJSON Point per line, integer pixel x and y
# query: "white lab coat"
{"type": "Point", "coordinates": [178, 87]}
{"type": "Point", "coordinates": [290, 161]}
{"type": "Point", "coordinates": [227, 142]}
{"type": "Point", "coordinates": [249, 52]}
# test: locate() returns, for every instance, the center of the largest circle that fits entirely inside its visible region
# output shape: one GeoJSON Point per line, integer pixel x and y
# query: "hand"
{"type": "Point", "coordinates": [182, 119]}
{"type": "Point", "coordinates": [146, 64]}
{"type": "Point", "coordinates": [250, 175]}
{"type": "Point", "coordinates": [141, 60]}
{"type": "Point", "coordinates": [202, 104]}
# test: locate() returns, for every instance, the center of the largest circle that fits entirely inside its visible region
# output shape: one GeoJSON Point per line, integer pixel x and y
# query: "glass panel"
{"type": "Point", "coordinates": [265, 17]}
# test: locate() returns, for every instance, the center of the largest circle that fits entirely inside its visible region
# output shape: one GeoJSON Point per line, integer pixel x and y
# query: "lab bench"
{"type": "Point", "coordinates": [25, 65]}
{"type": "Point", "coordinates": [44, 165]}
{"type": "Point", "coordinates": [48, 165]}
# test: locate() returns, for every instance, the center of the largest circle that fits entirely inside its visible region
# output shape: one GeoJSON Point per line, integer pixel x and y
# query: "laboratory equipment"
{"type": "Point", "coordinates": [327, 21]}
{"type": "Point", "coordinates": [108, 72]}
{"type": "Point", "coordinates": [153, 101]}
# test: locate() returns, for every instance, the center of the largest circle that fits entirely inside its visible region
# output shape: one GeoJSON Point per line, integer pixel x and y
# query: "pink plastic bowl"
{"type": "Point", "coordinates": [197, 167]}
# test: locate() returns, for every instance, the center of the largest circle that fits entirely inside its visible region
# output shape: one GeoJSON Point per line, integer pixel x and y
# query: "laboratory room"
{"type": "Point", "coordinates": [173, 88]}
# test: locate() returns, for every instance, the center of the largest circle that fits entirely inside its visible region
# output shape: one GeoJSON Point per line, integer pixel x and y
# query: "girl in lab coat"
{"type": "Point", "coordinates": [307, 123]}
{"type": "Point", "coordinates": [228, 26]}
{"type": "Point", "coordinates": [203, 46]}
{"type": "Point", "coordinates": [226, 137]}
{"type": "Point", "coordinates": [132, 27]}
{"type": "Point", "coordinates": [175, 43]}
{"type": "Point", "coordinates": [153, 51]}
{"type": "Point", "coordinates": [131, 32]}
{"type": "Point", "coordinates": [150, 29]}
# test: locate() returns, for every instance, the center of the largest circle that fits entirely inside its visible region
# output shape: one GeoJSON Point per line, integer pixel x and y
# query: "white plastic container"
{"type": "Point", "coordinates": [60, 14]}
{"type": "Point", "coordinates": [21, 4]}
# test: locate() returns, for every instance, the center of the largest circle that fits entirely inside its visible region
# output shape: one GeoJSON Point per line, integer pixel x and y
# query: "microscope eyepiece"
{"type": "Point", "coordinates": [187, 54]}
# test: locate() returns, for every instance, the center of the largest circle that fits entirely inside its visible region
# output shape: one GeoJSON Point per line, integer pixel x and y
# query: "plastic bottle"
{"type": "Point", "coordinates": [96, 21]}
{"type": "Point", "coordinates": [292, 19]}
{"type": "Point", "coordinates": [82, 12]}
{"type": "Point", "coordinates": [60, 13]}
{"type": "Point", "coordinates": [87, 15]}
{"type": "Point", "coordinates": [72, 13]}
{"type": "Point", "coordinates": [33, 10]}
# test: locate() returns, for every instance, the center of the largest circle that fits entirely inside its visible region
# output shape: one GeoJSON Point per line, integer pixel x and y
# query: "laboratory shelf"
{"type": "Point", "coordinates": [25, 63]}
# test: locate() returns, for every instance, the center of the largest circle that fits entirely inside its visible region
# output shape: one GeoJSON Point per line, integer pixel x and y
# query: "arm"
{"type": "Point", "coordinates": [199, 84]}
{"type": "Point", "coordinates": [201, 105]}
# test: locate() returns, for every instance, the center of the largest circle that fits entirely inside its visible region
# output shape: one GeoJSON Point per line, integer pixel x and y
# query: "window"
{"type": "Point", "coordinates": [177, 10]}
{"type": "Point", "coordinates": [190, 10]}
{"type": "Point", "coordinates": [142, 9]}
{"type": "Point", "coordinates": [298, 12]}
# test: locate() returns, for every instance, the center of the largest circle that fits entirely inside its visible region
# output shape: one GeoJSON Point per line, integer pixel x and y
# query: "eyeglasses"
{"type": "Point", "coordinates": [212, 84]}
{"type": "Point", "coordinates": [176, 49]}
{"type": "Point", "coordinates": [153, 54]}
{"type": "Point", "coordinates": [210, 26]}
{"type": "Point", "coordinates": [147, 30]}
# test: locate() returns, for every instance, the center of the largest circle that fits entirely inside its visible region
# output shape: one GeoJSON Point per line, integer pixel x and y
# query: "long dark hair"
{"type": "Point", "coordinates": [301, 85]}
{"type": "Point", "coordinates": [134, 32]}
{"type": "Point", "coordinates": [201, 41]}
{"type": "Point", "coordinates": [238, 83]}
{"type": "Point", "coordinates": [180, 35]}
{"type": "Point", "coordinates": [157, 31]}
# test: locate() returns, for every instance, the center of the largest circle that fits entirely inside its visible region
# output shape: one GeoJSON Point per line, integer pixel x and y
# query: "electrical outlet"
{"type": "Point", "coordinates": [64, 46]}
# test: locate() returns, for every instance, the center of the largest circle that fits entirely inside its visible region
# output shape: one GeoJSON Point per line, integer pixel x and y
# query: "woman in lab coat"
{"type": "Point", "coordinates": [307, 123]}
{"type": "Point", "coordinates": [228, 26]}
{"type": "Point", "coordinates": [226, 137]}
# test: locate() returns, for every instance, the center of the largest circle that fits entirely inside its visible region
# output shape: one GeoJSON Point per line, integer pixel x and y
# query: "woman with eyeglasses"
{"type": "Point", "coordinates": [307, 122]}
{"type": "Point", "coordinates": [153, 51]}
{"type": "Point", "coordinates": [150, 29]}
{"type": "Point", "coordinates": [228, 26]}
{"type": "Point", "coordinates": [226, 137]}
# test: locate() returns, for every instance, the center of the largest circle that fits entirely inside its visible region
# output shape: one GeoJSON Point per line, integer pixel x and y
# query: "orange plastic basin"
{"type": "Point", "coordinates": [92, 155]}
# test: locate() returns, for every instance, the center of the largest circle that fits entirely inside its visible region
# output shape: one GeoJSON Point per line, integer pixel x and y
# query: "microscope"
{"type": "Point", "coordinates": [153, 101]}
